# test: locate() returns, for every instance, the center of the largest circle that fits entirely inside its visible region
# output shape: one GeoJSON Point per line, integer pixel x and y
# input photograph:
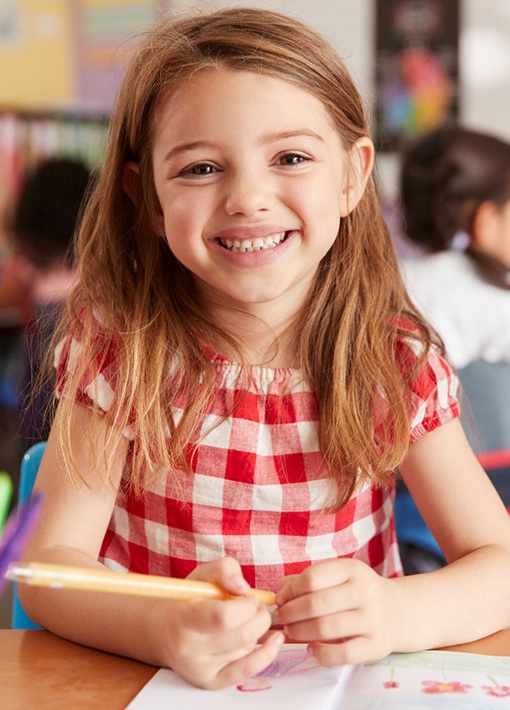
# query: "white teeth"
{"type": "Point", "coordinates": [249, 245]}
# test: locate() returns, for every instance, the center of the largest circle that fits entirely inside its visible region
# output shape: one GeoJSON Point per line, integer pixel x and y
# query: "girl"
{"type": "Point", "coordinates": [242, 375]}
{"type": "Point", "coordinates": [455, 188]}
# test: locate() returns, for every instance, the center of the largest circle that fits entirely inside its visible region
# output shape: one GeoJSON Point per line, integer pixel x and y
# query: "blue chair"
{"type": "Point", "coordinates": [486, 389]}
{"type": "Point", "coordinates": [419, 550]}
{"type": "Point", "coordinates": [29, 468]}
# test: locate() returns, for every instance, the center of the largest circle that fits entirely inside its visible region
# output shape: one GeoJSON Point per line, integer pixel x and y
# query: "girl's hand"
{"type": "Point", "coordinates": [214, 644]}
{"type": "Point", "coordinates": [345, 610]}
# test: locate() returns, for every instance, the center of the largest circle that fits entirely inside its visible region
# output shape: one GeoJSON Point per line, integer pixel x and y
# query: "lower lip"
{"type": "Point", "coordinates": [251, 259]}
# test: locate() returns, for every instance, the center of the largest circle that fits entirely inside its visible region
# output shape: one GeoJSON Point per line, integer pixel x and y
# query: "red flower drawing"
{"type": "Point", "coordinates": [436, 686]}
{"type": "Point", "coordinates": [500, 691]}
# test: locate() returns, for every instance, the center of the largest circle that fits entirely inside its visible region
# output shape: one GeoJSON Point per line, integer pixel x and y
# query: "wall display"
{"type": "Point", "coordinates": [69, 54]}
{"type": "Point", "coordinates": [105, 33]}
{"type": "Point", "coordinates": [61, 62]}
{"type": "Point", "coordinates": [35, 52]}
{"type": "Point", "coordinates": [417, 48]}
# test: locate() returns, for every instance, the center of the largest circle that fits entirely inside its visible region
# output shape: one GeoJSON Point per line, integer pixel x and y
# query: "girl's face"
{"type": "Point", "coordinates": [252, 180]}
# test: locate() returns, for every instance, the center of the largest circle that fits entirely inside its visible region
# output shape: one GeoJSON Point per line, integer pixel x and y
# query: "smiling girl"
{"type": "Point", "coordinates": [242, 375]}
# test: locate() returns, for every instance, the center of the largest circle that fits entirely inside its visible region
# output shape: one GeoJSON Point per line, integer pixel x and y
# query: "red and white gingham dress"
{"type": "Point", "coordinates": [259, 486]}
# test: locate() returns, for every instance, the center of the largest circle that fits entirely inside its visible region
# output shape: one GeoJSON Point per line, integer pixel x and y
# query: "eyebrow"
{"type": "Point", "coordinates": [183, 147]}
{"type": "Point", "coordinates": [299, 133]}
{"type": "Point", "coordinates": [270, 138]}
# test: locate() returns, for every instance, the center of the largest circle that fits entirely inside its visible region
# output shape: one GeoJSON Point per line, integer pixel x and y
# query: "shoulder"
{"type": "Point", "coordinates": [88, 352]}
{"type": "Point", "coordinates": [432, 383]}
{"type": "Point", "coordinates": [442, 265]}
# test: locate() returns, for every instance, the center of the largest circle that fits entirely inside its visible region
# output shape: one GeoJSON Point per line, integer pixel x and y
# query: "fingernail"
{"type": "Point", "coordinates": [278, 638]}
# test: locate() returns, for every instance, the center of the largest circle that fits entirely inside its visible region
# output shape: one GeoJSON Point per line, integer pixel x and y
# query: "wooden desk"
{"type": "Point", "coordinates": [40, 670]}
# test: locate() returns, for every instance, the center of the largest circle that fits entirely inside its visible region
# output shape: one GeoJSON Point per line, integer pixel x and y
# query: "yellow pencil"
{"type": "Point", "coordinates": [42, 574]}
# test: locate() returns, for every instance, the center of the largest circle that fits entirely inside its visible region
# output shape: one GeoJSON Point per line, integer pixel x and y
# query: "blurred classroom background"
{"type": "Point", "coordinates": [418, 64]}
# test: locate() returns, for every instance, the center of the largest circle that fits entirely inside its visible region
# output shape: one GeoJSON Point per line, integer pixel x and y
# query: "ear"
{"type": "Point", "coordinates": [359, 168]}
{"type": "Point", "coordinates": [485, 226]}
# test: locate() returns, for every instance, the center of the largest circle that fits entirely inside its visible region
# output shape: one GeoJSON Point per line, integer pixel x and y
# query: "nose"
{"type": "Point", "coordinates": [248, 193]}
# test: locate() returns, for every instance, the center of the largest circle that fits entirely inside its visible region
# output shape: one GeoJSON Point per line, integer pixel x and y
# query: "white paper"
{"type": "Point", "coordinates": [433, 679]}
{"type": "Point", "coordinates": [294, 681]}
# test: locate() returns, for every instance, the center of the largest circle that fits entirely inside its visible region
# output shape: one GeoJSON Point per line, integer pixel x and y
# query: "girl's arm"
{"type": "Point", "coordinates": [470, 597]}
{"type": "Point", "coordinates": [211, 644]}
{"type": "Point", "coordinates": [368, 616]}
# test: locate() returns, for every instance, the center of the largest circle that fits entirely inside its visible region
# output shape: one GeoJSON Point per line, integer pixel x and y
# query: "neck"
{"type": "Point", "coordinates": [265, 331]}
{"type": "Point", "coordinates": [263, 341]}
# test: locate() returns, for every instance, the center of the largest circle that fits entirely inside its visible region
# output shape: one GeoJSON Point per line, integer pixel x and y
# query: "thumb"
{"type": "Point", "coordinates": [225, 572]}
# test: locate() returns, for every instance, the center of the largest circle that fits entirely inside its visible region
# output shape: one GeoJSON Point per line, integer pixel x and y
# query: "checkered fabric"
{"type": "Point", "coordinates": [259, 488]}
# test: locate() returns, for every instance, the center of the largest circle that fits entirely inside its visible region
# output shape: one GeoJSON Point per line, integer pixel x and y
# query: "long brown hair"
{"type": "Point", "coordinates": [349, 326]}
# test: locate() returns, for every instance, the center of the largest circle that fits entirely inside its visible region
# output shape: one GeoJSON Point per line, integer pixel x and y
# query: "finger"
{"type": "Point", "coordinates": [314, 578]}
{"type": "Point", "coordinates": [226, 572]}
{"type": "Point", "coordinates": [207, 647]}
{"type": "Point", "coordinates": [340, 598]}
{"type": "Point", "coordinates": [359, 649]}
{"type": "Point", "coordinates": [242, 639]}
{"type": "Point", "coordinates": [206, 616]}
{"type": "Point", "coordinates": [330, 627]}
{"type": "Point", "coordinates": [252, 663]}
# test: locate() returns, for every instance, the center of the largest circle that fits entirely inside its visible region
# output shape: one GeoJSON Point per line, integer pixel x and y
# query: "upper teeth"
{"type": "Point", "coordinates": [253, 244]}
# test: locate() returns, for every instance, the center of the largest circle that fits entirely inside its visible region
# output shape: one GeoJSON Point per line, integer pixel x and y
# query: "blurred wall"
{"type": "Point", "coordinates": [348, 24]}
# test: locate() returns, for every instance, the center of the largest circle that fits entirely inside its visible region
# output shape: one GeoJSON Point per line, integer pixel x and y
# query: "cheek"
{"type": "Point", "coordinates": [328, 210]}
{"type": "Point", "coordinates": [180, 217]}
{"type": "Point", "coordinates": [184, 229]}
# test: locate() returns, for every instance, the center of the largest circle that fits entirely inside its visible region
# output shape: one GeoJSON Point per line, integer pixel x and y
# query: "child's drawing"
{"type": "Point", "coordinates": [289, 662]}
{"type": "Point", "coordinates": [496, 690]}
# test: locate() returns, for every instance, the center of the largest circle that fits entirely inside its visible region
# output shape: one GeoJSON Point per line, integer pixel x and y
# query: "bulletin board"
{"type": "Point", "coordinates": [68, 54]}
{"type": "Point", "coordinates": [105, 32]}
{"type": "Point", "coordinates": [417, 48]}
{"type": "Point", "coordinates": [35, 48]}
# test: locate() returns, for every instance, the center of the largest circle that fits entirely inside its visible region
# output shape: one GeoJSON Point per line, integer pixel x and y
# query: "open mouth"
{"type": "Point", "coordinates": [257, 244]}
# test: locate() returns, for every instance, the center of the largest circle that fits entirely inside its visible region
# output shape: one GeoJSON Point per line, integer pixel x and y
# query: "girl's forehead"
{"type": "Point", "coordinates": [212, 89]}
{"type": "Point", "coordinates": [223, 76]}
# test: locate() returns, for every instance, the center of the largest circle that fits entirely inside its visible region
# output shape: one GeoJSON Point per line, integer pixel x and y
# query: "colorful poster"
{"type": "Point", "coordinates": [416, 68]}
{"type": "Point", "coordinates": [105, 32]}
{"type": "Point", "coordinates": [69, 54]}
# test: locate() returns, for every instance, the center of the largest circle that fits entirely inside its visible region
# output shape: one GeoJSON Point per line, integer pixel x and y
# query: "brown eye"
{"type": "Point", "coordinates": [199, 170]}
{"type": "Point", "coordinates": [292, 159]}
{"type": "Point", "coordinates": [202, 169]}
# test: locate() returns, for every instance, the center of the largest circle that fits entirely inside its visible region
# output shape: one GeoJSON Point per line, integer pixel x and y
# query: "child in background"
{"type": "Point", "coordinates": [42, 227]}
{"type": "Point", "coordinates": [39, 225]}
{"type": "Point", "coordinates": [242, 375]}
{"type": "Point", "coordinates": [455, 190]}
